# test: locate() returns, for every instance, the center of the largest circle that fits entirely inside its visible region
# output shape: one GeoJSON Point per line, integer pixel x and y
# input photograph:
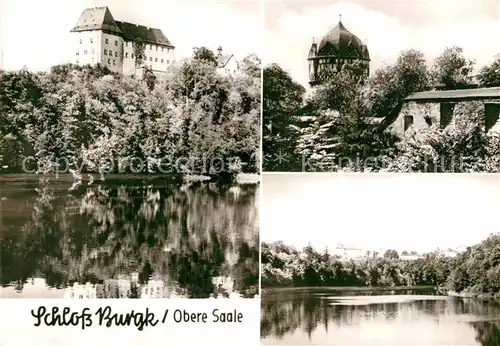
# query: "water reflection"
{"type": "Point", "coordinates": [298, 317]}
{"type": "Point", "coordinates": [128, 238]}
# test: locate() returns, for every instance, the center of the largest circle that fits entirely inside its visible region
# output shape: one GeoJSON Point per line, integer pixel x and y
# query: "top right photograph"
{"type": "Point", "coordinates": [358, 86]}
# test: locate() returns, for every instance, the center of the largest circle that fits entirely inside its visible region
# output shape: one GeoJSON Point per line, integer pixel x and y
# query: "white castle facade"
{"type": "Point", "coordinates": [99, 39]}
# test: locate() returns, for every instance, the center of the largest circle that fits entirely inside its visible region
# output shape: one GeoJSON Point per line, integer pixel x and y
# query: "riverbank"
{"type": "Point", "coordinates": [344, 288]}
{"type": "Point", "coordinates": [240, 178]}
{"type": "Point", "coordinates": [480, 295]}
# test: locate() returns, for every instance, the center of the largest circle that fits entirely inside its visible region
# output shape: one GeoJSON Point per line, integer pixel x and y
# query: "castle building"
{"type": "Point", "coordinates": [99, 39]}
{"type": "Point", "coordinates": [226, 63]}
{"type": "Point", "coordinates": [336, 48]}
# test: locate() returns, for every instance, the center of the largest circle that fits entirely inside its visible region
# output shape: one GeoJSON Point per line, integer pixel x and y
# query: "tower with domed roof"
{"type": "Point", "coordinates": [337, 47]}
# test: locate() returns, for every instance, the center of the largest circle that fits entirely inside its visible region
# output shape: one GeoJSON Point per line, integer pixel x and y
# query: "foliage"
{"type": "Point", "coordinates": [451, 69]}
{"type": "Point", "coordinates": [489, 76]}
{"type": "Point", "coordinates": [346, 123]}
{"type": "Point", "coordinates": [194, 120]}
{"type": "Point", "coordinates": [464, 147]}
{"type": "Point", "coordinates": [475, 270]}
{"type": "Point", "coordinates": [282, 96]}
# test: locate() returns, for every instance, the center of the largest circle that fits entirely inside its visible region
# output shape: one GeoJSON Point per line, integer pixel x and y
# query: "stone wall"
{"type": "Point", "coordinates": [418, 115]}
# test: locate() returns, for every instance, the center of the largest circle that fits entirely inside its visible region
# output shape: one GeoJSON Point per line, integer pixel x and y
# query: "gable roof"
{"type": "Point", "coordinates": [97, 18]}
{"type": "Point", "coordinates": [100, 18]}
{"type": "Point", "coordinates": [461, 94]}
{"type": "Point", "coordinates": [223, 60]}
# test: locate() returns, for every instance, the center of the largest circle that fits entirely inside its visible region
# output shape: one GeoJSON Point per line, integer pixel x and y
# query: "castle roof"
{"type": "Point", "coordinates": [457, 95]}
{"type": "Point", "coordinates": [341, 43]}
{"type": "Point", "coordinates": [100, 18]}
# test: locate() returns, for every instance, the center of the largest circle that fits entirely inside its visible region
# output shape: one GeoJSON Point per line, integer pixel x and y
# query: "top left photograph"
{"type": "Point", "coordinates": [129, 149]}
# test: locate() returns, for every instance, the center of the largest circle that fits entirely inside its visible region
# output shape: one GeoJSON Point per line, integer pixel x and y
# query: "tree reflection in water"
{"type": "Point", "coordinates": [286, 314]}
{"type": "Point", "coordinates": [130, 239]}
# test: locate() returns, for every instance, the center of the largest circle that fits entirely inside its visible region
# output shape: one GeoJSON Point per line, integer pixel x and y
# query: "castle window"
{"type": "Point", "coordinates": [446, 113]}
{"type": "Point", "coordinates": [168, 61]}
{"type": "Point", "coordinates": [77, 53]}
{"type": "Point", "coordinates": [162, 61]}
{"type": "Point", "coordinates": [85, 52]}
{"type": "Point", "coordinates": [106, 41]}
{"type": "Point", "coordinates": [91, 40]}
{"type": "Point", "coordinates": [150, 58]}
{"type": "Point", "coordinates": [77, 61]}
{"type": "Point", "coordinates": [116, 54]}
{"type": "Point", "coordinates": [109, 61]}
{"type": "Point", "coordinates": [105, 52]}
{"type": "Point", "coordinates": [80, 41]}
{"type": "Point", "coordinates": [162, 49]}
{"type": "Point", "coordinates": [114, 63]}
{"type": "Point", "coordinates": [126, 55]}
{"type": "Point", "coordinates": [156, 59]}
{"type": "Point", "coordinates": [408, 122]}
{"type": "Point", "coordinates": [491, 115]}
{"type": "Point", "coordinates": [156, 47]}
{"type": "Point", "coordinates": [132, 55]}
{"type": "Point", "coordinates": [116, 43]}
{"type": "Point", "coordinates": [93, 51]}
{"type": "Point", "coordinates": [150, 47]}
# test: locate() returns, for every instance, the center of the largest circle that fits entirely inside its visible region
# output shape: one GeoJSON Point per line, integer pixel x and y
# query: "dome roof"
{"type": "Point", "coordinates": [340, 42]}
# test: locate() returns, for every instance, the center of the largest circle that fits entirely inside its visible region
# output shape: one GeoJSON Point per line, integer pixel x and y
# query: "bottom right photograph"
{"type": "Point", "coordinates": [374, 259]}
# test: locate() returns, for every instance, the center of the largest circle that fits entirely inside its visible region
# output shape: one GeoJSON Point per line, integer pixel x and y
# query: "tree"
{"type": "Point", "coordinates": [451, 69]}
{"type": "Point", "coordinates": [489, 76]}
{"type": "Point", "coordinates": [205, 54]}
{"type": "Point", "coordinates": [139, 48]}
{"type": "Point", "coordinates": [390, 85]}
{"type": "Point", "coordinates": [391, 254]}
{"type": "Point", "coordinates": [282, 98]}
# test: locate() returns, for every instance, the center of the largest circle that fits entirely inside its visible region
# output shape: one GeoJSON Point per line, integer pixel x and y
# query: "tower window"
{"type": "Point", "coordinates": [126, 55]}
{"type": "Point", "coordinates": [150, 47]}
{"type": "Point", "coordinates": [106, 41]}
{"type": "Point", "coordinates": [77, 53]}
{"type": "Point", "coordinates": [77, 61]}
{"type": "Point", "coordinates": [80, 41]}
{"type": "Point", "coordinates": [162, 49]}
{"type": "Point", "coordinates": [150, 58]}
{"type": "Point", "coordinates": [109, 61]}
{"type": "Point", "coordinates": [162, 61]}
{"type": "Point", "coordinates": [93, 51]}
{"type": "Point", "coordinates": [156, 59]}
{"type": "Point", "coordinates": [105, 52]}
{"type": "Point", "coordinates": [156, 47]}
{"type": "Point", "coordinates": [132, 55]}
{"type": "Point", "coordinates": [116, 43]}
{"type": "Point", "coordinates": [114, 62]}
{"type": "Point", "coordinates": [85, 52]}
{"type": "Point", "coordinates": [116, 54]}
{"type": "Point", "coordinates": [110, 52]}
{"type": "Point", "coordinates": [91, 40]}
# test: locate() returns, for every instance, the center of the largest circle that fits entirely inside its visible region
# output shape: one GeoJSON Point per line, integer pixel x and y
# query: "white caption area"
{"type": "Point", "coordinates": [182, 325]}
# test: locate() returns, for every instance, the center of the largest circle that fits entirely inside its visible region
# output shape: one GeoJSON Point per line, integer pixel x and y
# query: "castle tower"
{"type": "Point", "coordinates": [337, 47]}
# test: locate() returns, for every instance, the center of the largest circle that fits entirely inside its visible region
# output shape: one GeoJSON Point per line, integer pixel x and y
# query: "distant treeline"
{"type": "Point", "coordinates": [476, 270]}
{"type": "Point", "coordinates": [87, 118]}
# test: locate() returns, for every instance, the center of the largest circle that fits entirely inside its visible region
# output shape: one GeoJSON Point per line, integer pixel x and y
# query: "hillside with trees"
{"type": "Point", "coordinates": [89, 118]}
{"type": "Point", "coordinates": [347, 119]}
{"type": "Point", "coordinates": [474, 271]}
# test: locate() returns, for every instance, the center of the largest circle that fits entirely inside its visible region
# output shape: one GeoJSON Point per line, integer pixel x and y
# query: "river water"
{"type": "Point", "coordinates": [389, 318]}
{"type": "Point", "coordinates": [127, 237]}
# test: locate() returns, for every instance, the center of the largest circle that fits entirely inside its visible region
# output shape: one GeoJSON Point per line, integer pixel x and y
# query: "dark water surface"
{"type": "Point", "coordinates": [127, 237]}
{"type": "Point", "coordinates": [392, 318]}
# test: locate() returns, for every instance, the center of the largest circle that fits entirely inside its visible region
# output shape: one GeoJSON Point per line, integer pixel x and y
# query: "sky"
{"type": "Point", "coordinates": [379, 211]}
{"type": "Point", "coordinates": [36, 33]}
{"type": "Point", "coordinates": [388, 27]}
